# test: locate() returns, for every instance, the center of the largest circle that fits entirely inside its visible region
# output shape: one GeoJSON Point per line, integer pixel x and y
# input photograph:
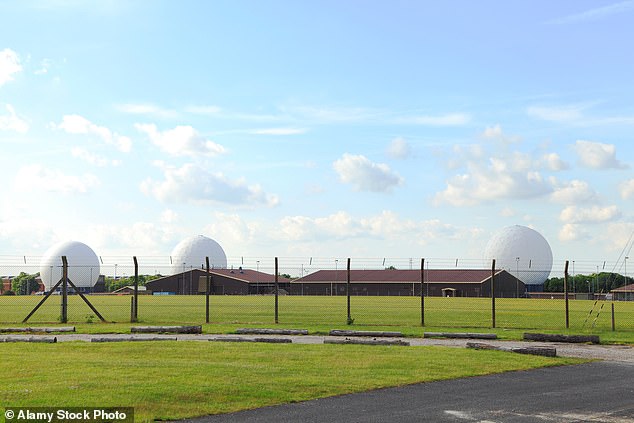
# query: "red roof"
{"type": "Point", "coordinates": [625, 288]}
{"type": "Point", "coordinates": [396, 276]}
{"type": "Point", "coordinates": [247, 275]}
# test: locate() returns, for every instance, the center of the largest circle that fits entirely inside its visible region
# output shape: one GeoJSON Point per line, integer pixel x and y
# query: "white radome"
{"type": "Point", "coordinates": [83, 265]}
{"type": "Point", "coordinates": [191, 253]}
{"type": "Point", "coordinates": [523, 252]}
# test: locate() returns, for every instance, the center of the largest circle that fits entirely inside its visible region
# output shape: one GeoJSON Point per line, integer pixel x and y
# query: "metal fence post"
{"type": "Point", "coordinates": [422, 292]}
{"type": "Point", "coordinates": [276, 293]}
{"type": "Point", "coordinates": [207, 286]}
{"type": "Point", "coordinates": [566, 295]}
{"type": "Point", "coordinates": [135, 304]}
{"type": "Point", "coordinates": [493, 293]}
{"type": "Point", "coordinates": [64, 306]}
{"type": "Point", "coordinates": [349, 320]}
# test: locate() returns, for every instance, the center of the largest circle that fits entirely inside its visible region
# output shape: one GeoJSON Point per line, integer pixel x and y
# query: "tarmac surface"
{"type": "Point", "coordinates": [601, 391]}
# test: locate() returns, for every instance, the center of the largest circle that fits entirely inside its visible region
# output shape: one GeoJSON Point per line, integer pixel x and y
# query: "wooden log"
{"type": "Point", "coordinates": [260, 331]}
{"type": "Point", "coordinates": [166, 329]}
{"type": "Point", "coordinates": [130, 339]}
{"type": "Point", "coordinates": [265, 340]}
{"type": "Point", "coordinates": [542, 351]}
{"type": "Point", "coordinates": [548, 337]}
{"type": "Point", "coordinates": [42, 339]}
{"type": "Point", "coordinates": [274, 340]}
{"type": "Point", "coordinates": [39, 330]}
{"type": "Point", "coordinates": [349, 341]}
{"type": "Point", "coordinates": [373, 334]}
{"type": "Point", "coordinates": [460, 335]}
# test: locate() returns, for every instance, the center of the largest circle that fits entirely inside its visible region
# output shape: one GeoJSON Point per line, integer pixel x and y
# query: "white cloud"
{"type": "Point", "coordinates": [76, 124]}
{"type": "Point", "coordinates": [573, 192]}
{"type": "Point", "coordinates": [596, 155]}
{"type": "Point", "coordinates": [45, 65]}
{"type": "Point", "coordinates": [596, 13]}
{"type": "Point", "coordinates": [399, 148]}
{"type": "Point", "coordinates": [500, 179]}
{"type": "Point", "coordinates": [146, 109]}
{"type": "Point", "coordinates": [279, 131]}
{"type": "Point", "coordinates": [495, 133]}
{"type": "Point", "coordinates": [12, 122]}
{"type": "Point", "coordinates": [181, 141]}
{"type": "Point", "coordinates": [552, 161]}
{"type": "Point", "coordinates": [35, 177]}
{"type": "Point", "coordinates": [365, 175]}
{"type": "Point", "coordinates": [627, 189]}
{"type": "Point", "coordinates": [93, 159]}
{"type": "Point", "coordinates": [571, 232]}
{"type": "Point", "coordinates": [9, 65]}
{"type": "Point", "coordinates": [594, 214]}
{"type": "Point", "coordinates": [232, 229]}
{"type": "Point", "coordinates": [192, 183]}
{"type": "Point", "coordinates": [617, 235]}
{"type": "Point", "coordinates": [386, 225]}
{"type": "Point", "coordinates": [507, 212]}
{"type": "Point", "coordinates": [450, 119]}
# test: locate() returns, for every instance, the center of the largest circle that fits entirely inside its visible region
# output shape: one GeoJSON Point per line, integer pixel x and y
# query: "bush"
{"type": "Point", "coordinates": [8, 293]}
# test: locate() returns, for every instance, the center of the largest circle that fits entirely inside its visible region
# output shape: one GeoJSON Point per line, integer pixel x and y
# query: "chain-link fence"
{"type": "Point", "coordinates": [317, 292]}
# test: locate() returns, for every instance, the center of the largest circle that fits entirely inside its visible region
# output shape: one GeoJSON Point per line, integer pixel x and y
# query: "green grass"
{"type": "Point", "coordinates": [319, 314]}
{"type": "Point", "coordinates": [175, 380]}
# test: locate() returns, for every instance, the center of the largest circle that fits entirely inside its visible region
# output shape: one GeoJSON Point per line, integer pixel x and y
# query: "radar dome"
{"type": "Point", "coordinates": [83, 265]}
{"type": "Point", "coordinates": [523, 252]}
{"type": "Point", "coordinates": [191, 253]}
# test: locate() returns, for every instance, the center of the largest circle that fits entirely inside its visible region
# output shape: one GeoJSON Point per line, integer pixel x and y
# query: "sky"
{"type": "Point", "coordinates": [366, 129]}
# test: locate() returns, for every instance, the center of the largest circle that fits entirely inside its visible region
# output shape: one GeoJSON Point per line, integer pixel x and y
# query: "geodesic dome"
{"type": "Point", "coordinates": [83, 264]}
{"type": "Point", "coordinates": [523, 252]}
{"type": "Point", "coordinates": [191, 253]}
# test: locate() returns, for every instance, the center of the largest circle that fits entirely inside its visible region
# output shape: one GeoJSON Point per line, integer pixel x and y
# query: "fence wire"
{"type": "Point", "coordinates": [313, 292]}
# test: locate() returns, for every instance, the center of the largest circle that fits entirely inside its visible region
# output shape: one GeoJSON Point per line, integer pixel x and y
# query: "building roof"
{"type": "Point", "coordinates": [400, 276]}
{"type": "Point", "coordinates": [128, 287]}
{"type": "Point", "coordinates": [241, 275]}
{"type": "Point", "coordinates": [625, 288]}
{"type": "Point", "coordinates": [248, 275]}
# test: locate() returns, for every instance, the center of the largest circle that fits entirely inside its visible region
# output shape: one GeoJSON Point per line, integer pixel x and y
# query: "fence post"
{"type": "Point", "coordinates": [276, 293]}
{"type": "Point", "coordinates": [349, 320]}
{"type": "Point", "coordinates": [135, 305]}
{"type": "Point", "coordinates": [422, 292]}
{"type": "Point", "coordinates": [566, 295]}
{"type": "Point", "coordinates": [132, 301]}
{"type": "Point", "coordinates": [493, 292]}
{"type": "Point", "coordinates": [64, 306]}
{"type": "Point", "coordinates": [207, 286]}
{"type": "Point", "coordinates": [613, 322]}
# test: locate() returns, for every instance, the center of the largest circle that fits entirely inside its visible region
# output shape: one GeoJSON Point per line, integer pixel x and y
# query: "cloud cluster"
{"type": "Point", "coordinates": [364, 175]}
{"type": "Point", "coordinates": [76, 124]}
{"type": "Point", "coordinates": [193, 183]}
{"type": "Point", "coordinates": [182, 140]}
{"type": "Point", "coordinates": [9, 65]}
{"type": "Point", "coordinates": [596, 155]}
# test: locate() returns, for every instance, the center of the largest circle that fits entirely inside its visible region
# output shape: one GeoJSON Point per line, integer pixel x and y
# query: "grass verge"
{"type": "Point", "coordinates": [168, 380]}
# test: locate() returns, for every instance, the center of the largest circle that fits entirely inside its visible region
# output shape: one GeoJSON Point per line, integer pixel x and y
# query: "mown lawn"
{"type": "Point", "coordinates": [175, 380]}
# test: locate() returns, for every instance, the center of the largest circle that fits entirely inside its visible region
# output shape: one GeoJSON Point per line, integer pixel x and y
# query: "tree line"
{"type": "Point", "coordinates": [594, 282]}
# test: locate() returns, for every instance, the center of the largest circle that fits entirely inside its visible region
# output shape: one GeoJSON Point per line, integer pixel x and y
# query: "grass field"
{"type": "Point", "coordinates": [321, 313]}
{"type": "Point", "coordinates": [174, 380]}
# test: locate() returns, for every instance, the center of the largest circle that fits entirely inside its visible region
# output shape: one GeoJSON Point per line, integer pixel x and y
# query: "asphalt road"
{"type": "Point", "coordinates": [593, 392]}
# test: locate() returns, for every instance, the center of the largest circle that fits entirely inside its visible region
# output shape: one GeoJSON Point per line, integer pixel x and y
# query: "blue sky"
{"type": "Point", "coordinates": [317, 129]}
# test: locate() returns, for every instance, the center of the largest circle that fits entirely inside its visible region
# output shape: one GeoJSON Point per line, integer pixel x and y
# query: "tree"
{"type": "Point", "coordinates": [25, 284]}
